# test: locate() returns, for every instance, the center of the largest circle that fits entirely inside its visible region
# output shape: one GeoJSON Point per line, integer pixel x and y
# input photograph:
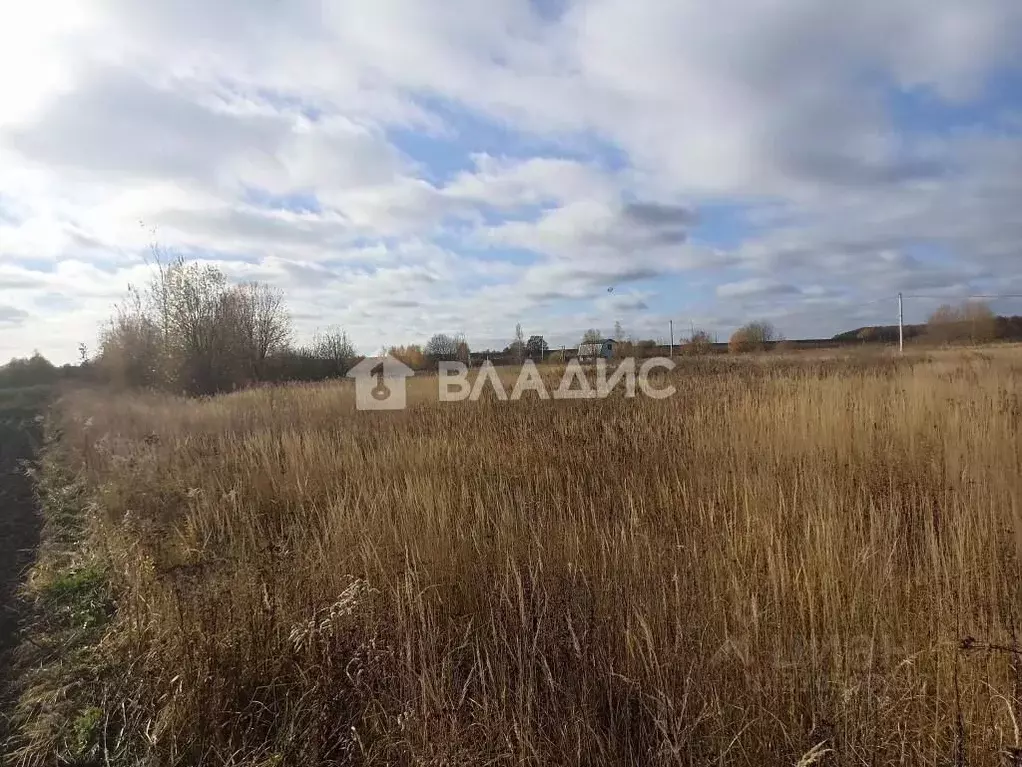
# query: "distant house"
{"type": "Point", "coordinates": [603, 348]}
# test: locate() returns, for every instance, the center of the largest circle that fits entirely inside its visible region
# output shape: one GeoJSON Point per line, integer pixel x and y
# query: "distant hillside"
{"type": "Point", "coordinates": [1008, 329]}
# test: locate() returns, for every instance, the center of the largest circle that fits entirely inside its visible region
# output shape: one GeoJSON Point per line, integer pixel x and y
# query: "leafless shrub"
{"type": "Point", "coordinates": [699, 343]}
{"type": "Point", "coordinates": [972, 322]}
{"type": "Point", "coordinates": [190, 330]}
{"type": "Point", "coordinates": [751, 337]}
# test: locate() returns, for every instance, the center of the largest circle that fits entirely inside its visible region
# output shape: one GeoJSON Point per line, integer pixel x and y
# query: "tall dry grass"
{"type": "Point", "coordinates": [778, 565]}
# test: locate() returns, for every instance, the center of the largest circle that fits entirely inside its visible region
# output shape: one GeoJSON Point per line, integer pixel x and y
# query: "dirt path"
{"type": "Point", "coordinates": [19, 531]}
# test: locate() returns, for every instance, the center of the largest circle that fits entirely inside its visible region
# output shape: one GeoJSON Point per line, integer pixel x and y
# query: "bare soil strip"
{"type": "Point", "coordinates": [19, 532]}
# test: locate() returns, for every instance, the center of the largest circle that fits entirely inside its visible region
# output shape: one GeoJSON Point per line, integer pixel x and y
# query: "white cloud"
{"type": "Point", "coordinates": [189, 115]}
{"type": "Point", "coordinates": [509, 184]}
{"type": "Point", "coordinates": [758, 287]}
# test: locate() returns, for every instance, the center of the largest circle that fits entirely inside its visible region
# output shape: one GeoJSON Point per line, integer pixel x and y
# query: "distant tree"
{"type": "Point", "coordinates": [698, 343]}
{"type": "Point", "coordinates": [536, 347]}
{"type": "Point", "coordinates": [980, 322]}
{"type": "Point", "coordinates": [764, 332]}
{"type": "Point", "coordinates": [517, 349]}
{"type": "Point", "coordinates": [1008, 328]}
{"type": "Point", "coordinates": [464, 354]}
{"type": "Point", "coordinates": [943, 325]}
{"type": "Point", "coordinates": [28, 371]}
{"type": "Point", "coordinates": [412, 355]}
{"type": "Point", "coordinates": [644, 348]}
{"type": "Point", "coordinates": [619, 331]}
{"type": "Point", "coordinates": [262, 321]}
{"type": "Point", "coordinates": [971, 321]}
{"type": "Point", "coordinates": [592, 336]}
{"type": "Point", "coordinates": [444, 348]}
{"type": "Point", "coordinates": [134, 348]}
{"type": "Point", "coordinates": [191, 330]}
{"type": "Point", "coordinates": [205, 347]}
{"type": "Point", "coordinates": [753, 336]}
{"type": "Point", "coordinates": [335, 349]}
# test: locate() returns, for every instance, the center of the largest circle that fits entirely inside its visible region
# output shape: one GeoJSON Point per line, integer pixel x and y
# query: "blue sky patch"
{"type": "Point", "coordinates": [445, 156]}
{"type": "Point", "coordinates": [296, 202]}
{"type": "Point", "coordinates": [921, 111]}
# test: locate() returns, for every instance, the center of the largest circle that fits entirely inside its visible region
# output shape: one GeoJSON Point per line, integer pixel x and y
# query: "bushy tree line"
{"type": "Point", "coordinates": [28, 371]}
{"type": "Point", "coordinates": [444, 348]}
{"type": "Point", "coordinates": [972, 322]}
{"type": "Point", "coordinates": [36, 370]}
{"type": "Point", "coordinates": [191, 330]}
{"type": "Point", "coordinates": [440, 348]}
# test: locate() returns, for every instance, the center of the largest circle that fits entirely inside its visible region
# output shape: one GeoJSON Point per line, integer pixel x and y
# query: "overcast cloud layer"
{"type": "Point", "coordinates": [402, 167]}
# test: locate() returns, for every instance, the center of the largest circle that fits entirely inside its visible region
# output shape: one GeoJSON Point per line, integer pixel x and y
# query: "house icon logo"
{"type": "Point", "coordinates": [380, 383]}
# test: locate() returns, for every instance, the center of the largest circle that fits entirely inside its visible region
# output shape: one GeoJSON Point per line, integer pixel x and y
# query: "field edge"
{"type": "Point", "coordinates": [59, 665]}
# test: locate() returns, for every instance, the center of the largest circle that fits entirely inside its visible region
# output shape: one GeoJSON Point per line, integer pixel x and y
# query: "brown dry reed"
{"type": "Point", "coordinates": [778, 565]}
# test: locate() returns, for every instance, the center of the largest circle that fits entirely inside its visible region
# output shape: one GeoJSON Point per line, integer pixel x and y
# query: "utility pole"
{"type": "Point", "coordinates": [672, 339]}
{"type": "Point", "coordinates": [901, 325]}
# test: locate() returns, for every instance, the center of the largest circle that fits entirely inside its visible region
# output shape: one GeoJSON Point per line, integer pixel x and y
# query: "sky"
{"type": "Point", "coordinates": [401, 168]}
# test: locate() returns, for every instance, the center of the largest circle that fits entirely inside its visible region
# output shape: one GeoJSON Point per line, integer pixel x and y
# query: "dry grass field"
{"type": "Point", "coordinates": [791, 561]}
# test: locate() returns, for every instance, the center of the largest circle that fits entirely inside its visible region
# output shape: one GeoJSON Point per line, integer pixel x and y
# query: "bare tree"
{"type": "Point", "coordinates": [971, 321]}
{"type": "Point", "coordinates": [334, 348]}
{"type": "Point", "coordinates": [190, 330]}
{"type": "Point", "coordinates": [264, 322]}
{"type": "Point", "coordinates": [464, 354]}
{"type": "Point", "coordinates": [203, 324]}
{"type": "Point", "coordinates": [698, 343]}
{"type": "Point", "coordinates": [980, 322]}
{"type": "Point", "coordinates": [943, 324]}
{"type": "Point", "coordinates": [442, 347]}
{"type": "Point", "coordinates": [518, 347]}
